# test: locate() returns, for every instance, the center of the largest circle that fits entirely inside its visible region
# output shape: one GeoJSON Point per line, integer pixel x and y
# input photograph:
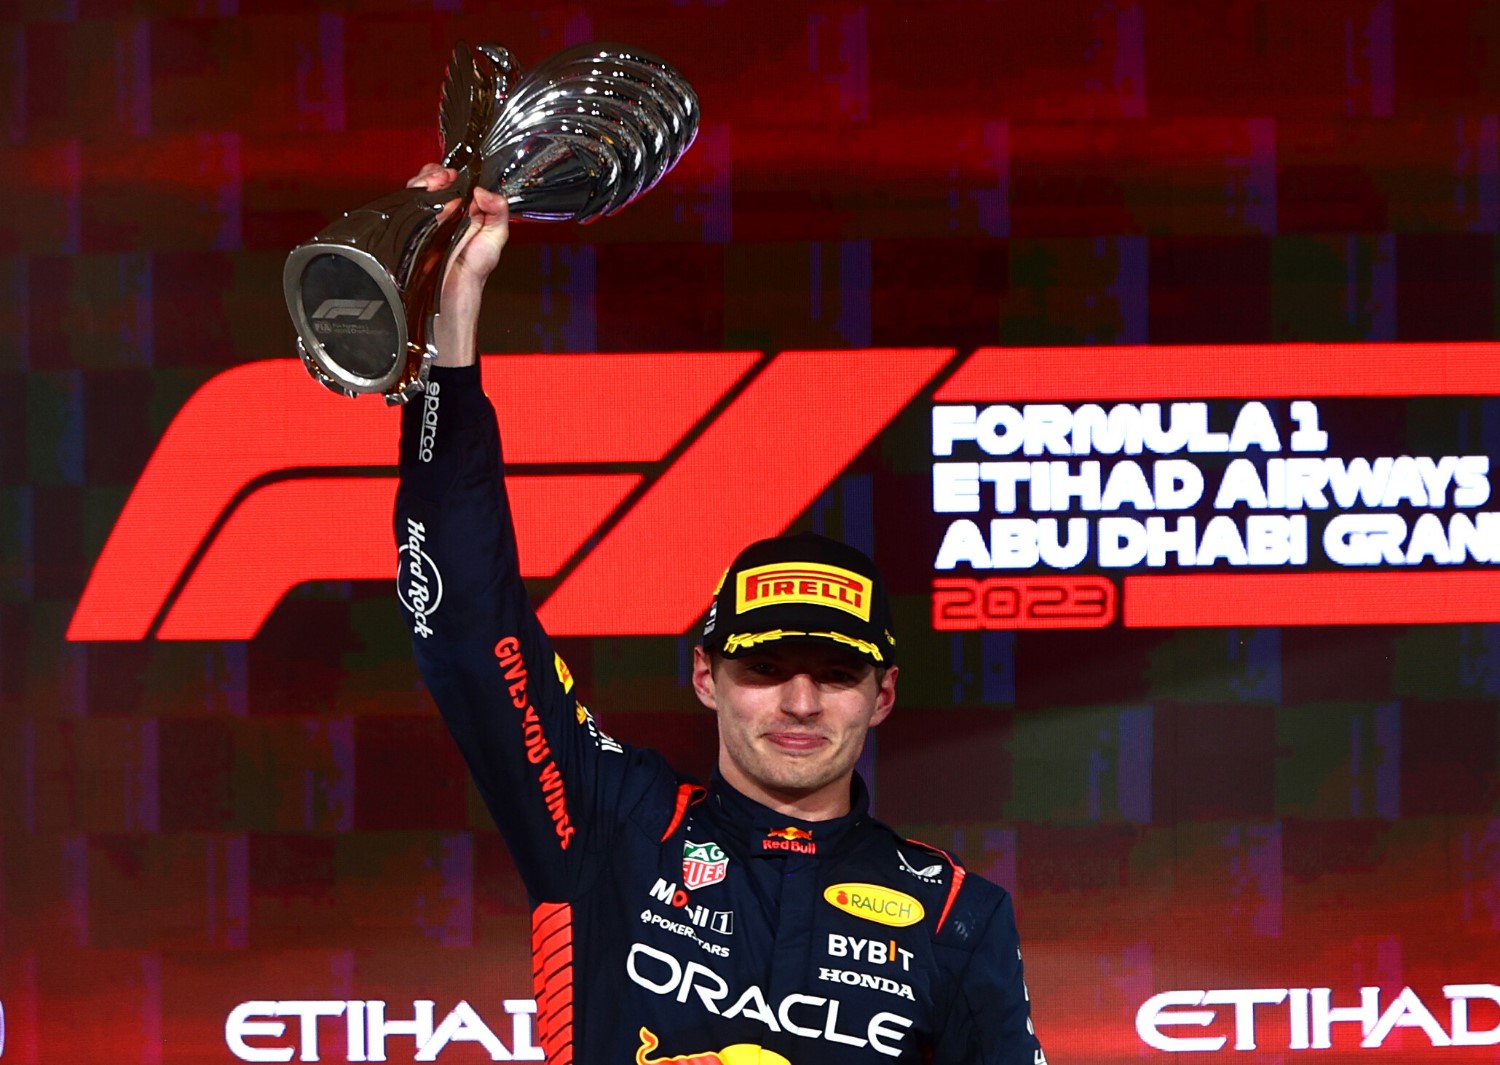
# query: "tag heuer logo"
{"type": "Point", "coordinates": [702, 864]}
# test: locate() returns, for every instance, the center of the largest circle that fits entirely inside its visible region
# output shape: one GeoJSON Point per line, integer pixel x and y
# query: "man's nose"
{"type": "Point", "coordinates": [800, 695]}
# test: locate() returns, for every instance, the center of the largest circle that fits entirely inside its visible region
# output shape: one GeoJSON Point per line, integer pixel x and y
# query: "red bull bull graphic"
{"type": "Point", "coordinates": [791, 838]}
{"type": "Point", "coordinates": [738, 1054]}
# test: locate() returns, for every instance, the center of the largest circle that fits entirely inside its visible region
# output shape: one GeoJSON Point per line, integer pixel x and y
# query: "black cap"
{"type": "Point", "coordinates": [802, 587]}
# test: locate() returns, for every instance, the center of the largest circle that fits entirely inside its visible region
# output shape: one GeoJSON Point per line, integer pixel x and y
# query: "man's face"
{"type": "Point", "coordinates": [792, 721]}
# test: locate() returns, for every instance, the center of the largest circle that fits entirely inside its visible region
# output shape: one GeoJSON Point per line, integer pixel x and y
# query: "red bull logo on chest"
{"type": "Point", "coordinates": [791, 838]}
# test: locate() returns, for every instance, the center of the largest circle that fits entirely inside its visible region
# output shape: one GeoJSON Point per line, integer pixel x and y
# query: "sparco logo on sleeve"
{"type": "Point", "coordinates": [429, 422]}
{"type": "Point", "coordinates": [418, 582]}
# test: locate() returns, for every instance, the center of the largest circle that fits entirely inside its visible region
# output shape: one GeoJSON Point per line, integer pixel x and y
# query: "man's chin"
{"type": "Point", "coordinates": [799, 780]}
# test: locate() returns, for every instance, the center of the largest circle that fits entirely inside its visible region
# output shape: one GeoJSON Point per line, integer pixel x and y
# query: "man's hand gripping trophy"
{"type": "Point", "coordinates": [474, 257]}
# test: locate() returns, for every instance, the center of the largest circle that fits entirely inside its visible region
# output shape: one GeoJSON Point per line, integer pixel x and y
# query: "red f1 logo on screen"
{"type": "Point", "coordinates": [263, 481]}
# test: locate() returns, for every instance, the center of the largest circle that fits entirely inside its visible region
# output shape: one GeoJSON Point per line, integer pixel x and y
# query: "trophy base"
{"type": "Point", "coordinates": [362, 293]}
{"type": "Point", "coordinates": [351, 326]}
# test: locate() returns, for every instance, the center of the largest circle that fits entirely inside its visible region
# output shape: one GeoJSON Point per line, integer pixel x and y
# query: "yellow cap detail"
{"type": "Point", "coordinates": [859, 645]}
{"type": "Point", "coordinates": [803, 582]}
{"type": "Point", "coordinates": [742, 640]}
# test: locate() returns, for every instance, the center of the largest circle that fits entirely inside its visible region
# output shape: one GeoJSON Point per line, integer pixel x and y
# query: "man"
{"type": "Point", "coordinates": [766, 918]}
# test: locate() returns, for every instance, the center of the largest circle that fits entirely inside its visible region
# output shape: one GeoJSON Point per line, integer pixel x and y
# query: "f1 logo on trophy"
{"type": "Point", "coordinates": [581, 136]}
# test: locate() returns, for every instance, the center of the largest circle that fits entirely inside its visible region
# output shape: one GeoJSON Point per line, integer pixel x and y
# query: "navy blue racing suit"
{"type": "Point", "coordinates": [672, 921]}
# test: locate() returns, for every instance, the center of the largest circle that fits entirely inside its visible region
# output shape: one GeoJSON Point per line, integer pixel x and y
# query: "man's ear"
{"type": "Point", "coordinates": [703, 678]}
{"type": "Point", "coordinates": [885, 696]}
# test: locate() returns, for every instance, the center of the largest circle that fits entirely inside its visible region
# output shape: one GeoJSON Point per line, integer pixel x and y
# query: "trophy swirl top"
{"type": "Point", "coordinates": [582, 134]}
{"type": "Point", "coordinates": [474, 94]}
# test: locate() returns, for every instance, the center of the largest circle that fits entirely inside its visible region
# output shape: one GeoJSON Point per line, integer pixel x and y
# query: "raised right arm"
{"type": "Point", "coordinates": [554, 784]}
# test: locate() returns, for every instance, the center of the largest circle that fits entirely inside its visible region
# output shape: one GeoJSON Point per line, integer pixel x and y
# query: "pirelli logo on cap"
{"type": "Point", "coordinates": [804, 582]}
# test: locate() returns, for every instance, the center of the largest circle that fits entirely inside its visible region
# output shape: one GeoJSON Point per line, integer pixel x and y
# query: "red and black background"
{"type": "Point", "coordinates": [189, 824]}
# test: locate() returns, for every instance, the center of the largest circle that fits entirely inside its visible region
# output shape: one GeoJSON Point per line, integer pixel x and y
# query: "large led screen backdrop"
{"type": "Point", "coordinates": [1150, 345]}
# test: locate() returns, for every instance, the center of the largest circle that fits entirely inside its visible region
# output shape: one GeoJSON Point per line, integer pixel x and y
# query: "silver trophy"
{"type": "Point", "coordinates": [582, 135]}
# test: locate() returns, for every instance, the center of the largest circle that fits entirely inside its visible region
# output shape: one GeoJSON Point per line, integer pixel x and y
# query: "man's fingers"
{"type": "Point", "coordinates": [492, 205]}
{"type": "Point", "coordinates": [433, 176]}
